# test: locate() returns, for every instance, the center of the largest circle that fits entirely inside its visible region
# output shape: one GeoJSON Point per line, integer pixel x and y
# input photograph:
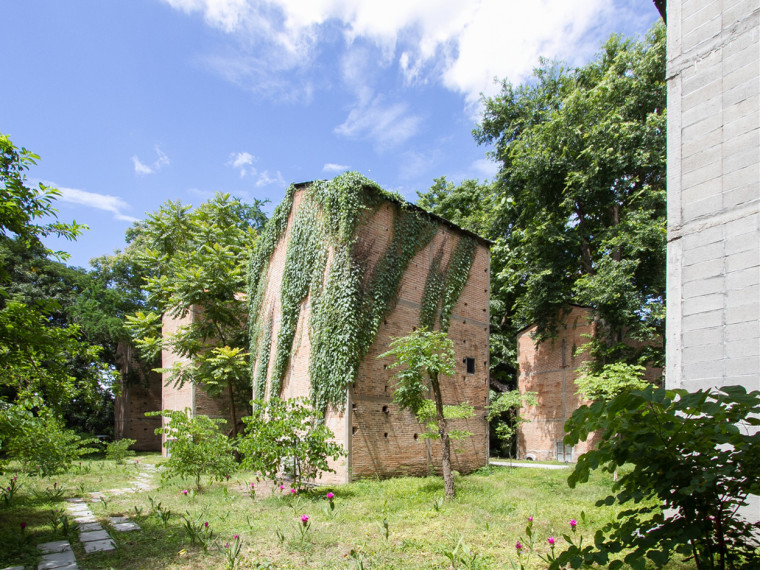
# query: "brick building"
{"type": "Point", "coordinates": [140, 392]}
{"type": "Point", "coordinates": [380, 439]}
{"type": "Point", "coordinates": [550, 370]}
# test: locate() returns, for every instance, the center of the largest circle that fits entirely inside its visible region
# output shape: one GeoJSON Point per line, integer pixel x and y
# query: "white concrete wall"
{"type": "Point", "coordinates": [713, 319]}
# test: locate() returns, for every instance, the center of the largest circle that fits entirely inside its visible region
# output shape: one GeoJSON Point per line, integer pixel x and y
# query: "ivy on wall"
{"type": "Point", "coordinates": [349, 298]}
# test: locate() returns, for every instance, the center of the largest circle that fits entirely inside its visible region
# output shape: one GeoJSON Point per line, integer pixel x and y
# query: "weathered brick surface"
{"type": "Point", "coordinates": [140, 393]}
{"type": "Point", "coordinates": [380, 439]}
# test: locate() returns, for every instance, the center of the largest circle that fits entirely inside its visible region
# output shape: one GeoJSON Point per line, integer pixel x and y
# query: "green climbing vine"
{"type": "Point", "coordinates": [443, 286]}
{"type": "Point", "coordinates": [349, 298]}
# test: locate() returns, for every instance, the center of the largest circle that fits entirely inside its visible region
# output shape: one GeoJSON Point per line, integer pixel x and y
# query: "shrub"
{"type": "Point", "coordinates": [196, 447]}
{"type": "Point", "coordinates": [119, 450]}
{"type": "Point", "coordinates": [696, 454]}
{"type": "Point", "coordinates": [41, 442]}
{"type": "Point", "coordinates": [287, 432]}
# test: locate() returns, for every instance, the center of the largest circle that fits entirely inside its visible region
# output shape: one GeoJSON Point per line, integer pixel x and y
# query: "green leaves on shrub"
{"type": "Point", "coordinates": [695, 454]}
{"type": "Point", "coordinates": [287, 434]}
{"type": "Point", "coordinates": [196, 447]}
{"type": "Point", "coordinates": [119, 450]}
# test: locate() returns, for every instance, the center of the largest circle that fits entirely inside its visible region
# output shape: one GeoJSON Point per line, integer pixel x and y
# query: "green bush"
{"type": "Point", "coordinates": [41, 443]}
{"type": "Point", "coordinates": [287, 433]}
{"type": "Point", "coordinates": [694, 454]}
{"type": "Point", "coordinates": [196, 447]}
{"type": "Point", "coordinates": [119, 450]}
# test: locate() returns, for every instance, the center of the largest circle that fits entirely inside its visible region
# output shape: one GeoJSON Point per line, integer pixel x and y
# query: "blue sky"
{"type": "Point", "coordinates": [133, 103]}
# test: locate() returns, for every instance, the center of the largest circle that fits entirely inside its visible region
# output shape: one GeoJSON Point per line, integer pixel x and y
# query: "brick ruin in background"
{"type": "Point", "coordinates": [380, 439]}
{"type": "Point", "coordinates": [140, 392]}
{"type": "Point", "coordinates": [550, 370]}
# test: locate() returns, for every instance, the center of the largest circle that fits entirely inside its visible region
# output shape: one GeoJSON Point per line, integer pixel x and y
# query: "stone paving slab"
{"type": "Point", "coordinates": [93, 536]}
{"type": "Point", "coordinates": [57, 560]}
{"type": "Point", "coordinates": [117, 520]}
{"type": "Point", "coordinates": [126, 527]}
{"type": "Point", "coordinates": [99, 546]}
{"type": "Point", "coordinates": [55, 546]}
{"type": "Point", "coordinates": [89, 527]}
{"type": "Point", "coordinates": [75, 500]}
{"type": "Point", "coordinates": [89, 519]}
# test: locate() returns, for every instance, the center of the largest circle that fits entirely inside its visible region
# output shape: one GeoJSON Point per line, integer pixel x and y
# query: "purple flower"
{"type": "Point", "coordinates": [530, 519]}
{"type": "Point", "coordinates": [292, 491]}
{"type": "Point", "coordinates": [23, 525]}
{"type": "Point", "coordinates": [205, 524]}
{"type": "Point", "coordinates": [550, 540]}
{"type": "Point", "coordinates": [573, 523]}
{"type": "Point", "coordinates": [226, 544]}
{"type": "Point", "coordinates": [330, 496]}
{"type": "Point", "coordinates": [235, 537]}
{"type": "Point", "coordinates": [518, 546]}
{"type": "Point", "coordinates": [304, 519]}
{"type": "Point", "coordinates": [184, 491]}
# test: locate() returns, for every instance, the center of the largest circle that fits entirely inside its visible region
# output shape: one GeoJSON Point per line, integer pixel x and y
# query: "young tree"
{"type": "Point", "coordinates": [423, 357]}
{"type": "Point", "coordinates": [195, 260]}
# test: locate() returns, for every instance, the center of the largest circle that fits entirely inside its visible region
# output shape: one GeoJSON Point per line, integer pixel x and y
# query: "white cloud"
{"type": "Point", "coordinates": [161, 160]}
{"type": "Point", "coordinates": [486, 167]}
{"type": "Point", "coordinates": [243, 163]}
{"type": "Point", "coordinates": [333, 167]}
{"type": "Point", "coordinates": [387, 124]}
{"type": "Point", "coordinates": [265, 179]}
{"type": "Point", "coordinates": [462, 45]}
{"type": "Point", "coordinates": [105, 202]}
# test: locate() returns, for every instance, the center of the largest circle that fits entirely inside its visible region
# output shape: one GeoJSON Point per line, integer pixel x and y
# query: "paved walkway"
{"type": "Point", "coordinates": [59, 555]}
{"type": "Point", "coordinates": [530, 465]}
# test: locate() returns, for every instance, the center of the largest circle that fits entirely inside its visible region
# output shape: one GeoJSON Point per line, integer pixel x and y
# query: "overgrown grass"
{"type": "Point", "coordinates": [486, 519]}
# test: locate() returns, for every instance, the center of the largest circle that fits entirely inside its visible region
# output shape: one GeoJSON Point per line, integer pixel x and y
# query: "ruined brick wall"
{"type": "Point", "coordinates": [550, 370]}
{"type": "Point", "coordinates": [140, 393]}
{"type": "Point", "coordinates": [189, 395]}
{"type": "Point", "coordinates": [381, 440]}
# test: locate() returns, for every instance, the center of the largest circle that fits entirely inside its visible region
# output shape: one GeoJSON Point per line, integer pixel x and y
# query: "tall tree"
{"type": "Point", "coordinates": [581, 197]}
{"type": "Point", "coordinates": [196, 260]}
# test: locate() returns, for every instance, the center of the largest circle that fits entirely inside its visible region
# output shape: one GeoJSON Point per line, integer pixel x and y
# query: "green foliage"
{"type": "Point", "coordinates": [695, 453]}
{"type": "Point", "coordinates": [423, 357]}
{"type": "Point", "coordinates": [41, 443]}
{"type": "Point", "coordinates": [193, 262]}
{"type": "Point", "coordinates": [504, 417]}
{"type": "Point", "coordinates": [196, 446]}
{"type": "Point", "coordinates": [349, 300]}
{"type": "Point", "coordinates": [290, 434]}
{"type": "Point", "coordinates": [610, 381]}
{"type": "Point", "coordinates": [427, 417]}
{"type": "Point", "coordinates": [119, 450]}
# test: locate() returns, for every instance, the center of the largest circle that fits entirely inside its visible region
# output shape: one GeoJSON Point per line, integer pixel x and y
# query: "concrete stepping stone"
{"type": "Point", "coordinates": [94, 535]}
{"type": "Point", "coordinates": [82, 520]}
{"type": "Point", "coordinates": [123, 524]}
{"type": "Point", "coordinates": [99, 546]}
{"type": "Point", "coordinates": [89, 527]}
{"type": "Point", "coordinates": [63, 559]}
{"type": "Point", "coordinates": [56, 546]}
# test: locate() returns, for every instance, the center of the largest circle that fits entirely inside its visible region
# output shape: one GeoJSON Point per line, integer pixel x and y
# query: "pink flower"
{"type": "Point", "coordinates": [518, 546]}
{"type": "Point", "coordinates": [184, 491]}
{"type": "Point", "coordinates": [251, 485]}
{"type": "Point", "coordinates": [573, 523]}
{"type": "Point", "coordinates": [226, 544]}
{"type": "Point", "coordinates": [530, 519]}
{"type": "Point", "coordinates": [550, 540]}
{"type": "Point", "coordinates": [235, 537]}
{"type": "Point", "coordinates": [304, 519]}
{"type": "Point", "coordinates": [282, 487]}
{"type": "Point", "coordinates": [292, 491]}
{"type": "Point", "coordinates": [330, 496]}
{"type": "Point", "coordinates": [205, 524]}
{"type": "Point", "coordinates": [137, 461]}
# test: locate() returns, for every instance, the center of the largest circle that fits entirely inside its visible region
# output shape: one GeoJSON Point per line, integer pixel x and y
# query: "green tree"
{"type": "Point", "coordinates": [610, 381]}
{"type": "Point", "coordinates": [696, 454]}
{"type": "Point", "coordinates": [287, 433]}
{"type": "Point", "coordinates": [504, 417]}
{"type": "Point", "coordinates": [582, 183]}
{"type": "Point", "coordinates": [196, 260]}
{"type": "Point", "coordinates": [423, 357]}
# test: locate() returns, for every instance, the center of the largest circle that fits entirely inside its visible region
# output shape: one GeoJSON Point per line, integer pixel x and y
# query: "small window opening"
{"type": "Point", "coordinates": [385, 435]}
{"type": "Point", "coordinates": [470, 363]}
{"type": "Point", "coordinates": [416, 436]}
{"type": "Point", "coordinates": [354, 430]}
{"type": "Point", "coordinates": [385, 410]}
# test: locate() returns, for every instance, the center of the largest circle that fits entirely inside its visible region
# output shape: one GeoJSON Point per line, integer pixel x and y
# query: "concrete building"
{"type": "Point", "coordinates": [380, 439]}
{"type": "Point", "coordinates": [713, 313]}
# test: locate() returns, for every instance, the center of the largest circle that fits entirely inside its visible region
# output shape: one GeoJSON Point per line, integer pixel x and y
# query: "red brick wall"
{"type": "Point", "coordinates": [140, 393]}
{"type": "Point", "coordinates": [379, 438]}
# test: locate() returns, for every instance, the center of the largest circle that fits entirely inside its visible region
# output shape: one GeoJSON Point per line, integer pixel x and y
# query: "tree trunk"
{"type": "Point", "coordinates": [443, 432]}
{"type": "Point", "coordinates": [232, 409]}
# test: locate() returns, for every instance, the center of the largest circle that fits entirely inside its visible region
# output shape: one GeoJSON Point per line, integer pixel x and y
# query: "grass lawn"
{"type": "Point", "coordinates": [397, 523]}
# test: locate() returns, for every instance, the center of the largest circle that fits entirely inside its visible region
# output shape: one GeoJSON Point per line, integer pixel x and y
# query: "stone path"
{"type": "Point", "coordinates": [59, 555]}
